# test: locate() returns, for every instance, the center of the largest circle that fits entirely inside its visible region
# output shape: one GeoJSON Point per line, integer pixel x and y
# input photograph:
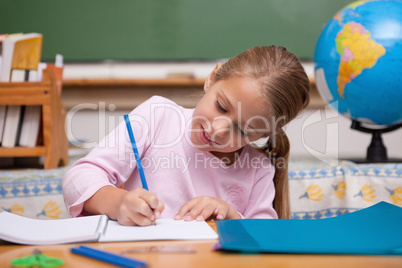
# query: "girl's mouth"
{"type": "Point", "coordinates": [205, 137]}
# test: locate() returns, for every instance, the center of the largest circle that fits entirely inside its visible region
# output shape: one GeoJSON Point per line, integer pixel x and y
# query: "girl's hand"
{"type": "Point", "coordinates": [206, 207]}
{"type": "Point", "coordinates": [138, 207]}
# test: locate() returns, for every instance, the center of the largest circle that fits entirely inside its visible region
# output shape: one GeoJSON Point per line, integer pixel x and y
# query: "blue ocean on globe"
{"type": "Point", "coordinates": [358, 62]}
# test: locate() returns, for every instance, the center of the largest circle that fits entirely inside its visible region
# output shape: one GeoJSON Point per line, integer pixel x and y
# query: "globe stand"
{"type": "Point", "coordinates": [376, 152]}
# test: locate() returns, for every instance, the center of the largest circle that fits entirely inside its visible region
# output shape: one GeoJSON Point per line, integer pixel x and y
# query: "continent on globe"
{"type": "Point", "coordinates": [358, 51]}
{"type": "Point", "coordinates": [339, 16]}
{"type": "Point", "coordinates": [358, 62]}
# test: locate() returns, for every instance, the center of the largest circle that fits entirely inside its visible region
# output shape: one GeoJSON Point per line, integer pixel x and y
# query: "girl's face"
{"type": "Point", "coordinates": [230, 115]}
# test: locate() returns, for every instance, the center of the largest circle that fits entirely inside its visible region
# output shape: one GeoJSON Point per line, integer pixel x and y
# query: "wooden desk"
{"type": "Point", "coordinates": [204, 256]}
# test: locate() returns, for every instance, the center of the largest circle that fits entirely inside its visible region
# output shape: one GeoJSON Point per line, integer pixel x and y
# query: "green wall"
{"type": "Point", "coordinates": [95, 30]}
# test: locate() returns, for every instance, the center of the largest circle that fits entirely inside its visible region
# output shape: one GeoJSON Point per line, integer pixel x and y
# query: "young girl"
{"type": "Point", "coordinates": [200, 163]}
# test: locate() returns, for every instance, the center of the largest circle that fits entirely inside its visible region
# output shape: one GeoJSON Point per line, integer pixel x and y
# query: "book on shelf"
{"type": "Point", "coordinates": [2, 37]}
{"type": "Point", "coordinates": [30, 126]}
{"type": "Point", "coordinates": [2, 120]}
{"type": "Point", "coordinates": [2, 107]}
{"type": "Point", "coordinates": [32, 114]}
{"type": "Point", "coordinates": [12, 124]}
{"type": "Point", "coordinates": [20, 51]}
{"type": "Point", "coordinates": [20, 54]}
{"type": "Point", "coordinates": [31, 120]}
{"type": "Point", "coordinates": [99, 228]}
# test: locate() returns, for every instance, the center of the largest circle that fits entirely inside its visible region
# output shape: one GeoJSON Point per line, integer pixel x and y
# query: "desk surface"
{"type": "Point", "coordinates": [176, 254]}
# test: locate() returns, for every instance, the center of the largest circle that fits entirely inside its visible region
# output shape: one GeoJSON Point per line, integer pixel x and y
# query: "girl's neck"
{"type": "Point", "coordinates": [228, 158]}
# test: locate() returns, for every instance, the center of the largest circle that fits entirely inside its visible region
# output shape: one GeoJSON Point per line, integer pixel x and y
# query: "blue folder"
{"type": "Point", "coordinates": [376, 230]}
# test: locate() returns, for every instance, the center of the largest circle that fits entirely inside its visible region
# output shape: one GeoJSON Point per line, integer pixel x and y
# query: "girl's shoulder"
{"type": "Point", "coordinates": [162, 110]}
{"type": "Point", "coordinates": [160, 102]}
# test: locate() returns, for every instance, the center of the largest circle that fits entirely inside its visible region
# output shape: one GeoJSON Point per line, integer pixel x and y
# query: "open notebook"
{"type": "Point", "coordinates": [22, 230]}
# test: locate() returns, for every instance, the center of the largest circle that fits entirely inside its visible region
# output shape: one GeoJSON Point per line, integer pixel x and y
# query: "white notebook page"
{"type": "Point", "coordinates": [165, 229]}
{"type": "Point", "coordinates": [22, 230]}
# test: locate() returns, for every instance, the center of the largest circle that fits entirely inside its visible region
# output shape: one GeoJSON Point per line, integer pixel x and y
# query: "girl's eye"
{"type": "Point", "coordinates": [220, 107]}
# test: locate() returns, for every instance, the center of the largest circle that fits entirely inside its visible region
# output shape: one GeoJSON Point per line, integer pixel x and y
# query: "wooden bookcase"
{"type": "Point", "coordinates": [44, 94]}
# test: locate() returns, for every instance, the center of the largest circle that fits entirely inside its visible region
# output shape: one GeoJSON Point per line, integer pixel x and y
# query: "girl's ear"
{"type": "Point", "coordinates": [211, 77]}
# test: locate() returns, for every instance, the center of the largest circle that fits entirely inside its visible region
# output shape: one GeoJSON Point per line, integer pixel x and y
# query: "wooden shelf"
{"type": "Point", "coordinates": [133, 82]}
{"type": "Point", "coordinates": [45, 94]}
{"type": "Point", "coordinates": [22, 151]}
{"type": "Point", "coordinates": [25, 93]}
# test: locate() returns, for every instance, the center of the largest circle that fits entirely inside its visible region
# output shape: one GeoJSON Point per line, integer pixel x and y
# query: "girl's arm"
{"type": "Point", "coordinates": [135, 207]}
{"type": "Point", "coordinates": [110, 163]}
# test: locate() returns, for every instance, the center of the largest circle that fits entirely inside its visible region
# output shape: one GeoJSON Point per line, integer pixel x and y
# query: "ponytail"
{"type": "Point", "coordinates": [277, 150]}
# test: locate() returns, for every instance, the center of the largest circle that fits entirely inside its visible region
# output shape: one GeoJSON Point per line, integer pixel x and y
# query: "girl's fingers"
{"type": "Point", "coordinates": [148, 197]}
{"type": "Point", "coordinates": [134, 213]}
{"type": "Point", "coordinates": [206, 212]}
{"type": "Point", "coordinates": [202, 208]}
{"type": "Point", "coordinates": [145, 209]}
{"type": "Point", "coordinates": [144, 215]}
{"type": "Point", "coordinates": [184, 209]}
{"type": "Point", "coordinates": [220, 214]}
{"type": "Point", "coordinates": [128, 216]}
{"type": "Point", "coordinates": [193, 213]}
{"type": "Point", "coordinates": [141, 208]}
{"type": "Point", "coordinates": [140, 219]}
{"type": "Point", "coordinates": [158, 210]}
{"type": "Point", "coordinates": [126, 221]}
{"type": "Point", "coordinates": [154, 204]}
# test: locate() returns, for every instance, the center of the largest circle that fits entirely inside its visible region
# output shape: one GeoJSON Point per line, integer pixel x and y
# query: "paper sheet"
{"type": "Point", "coordinates": [22, 230]}
{"type": "Point", "coordinates": [165, 229]}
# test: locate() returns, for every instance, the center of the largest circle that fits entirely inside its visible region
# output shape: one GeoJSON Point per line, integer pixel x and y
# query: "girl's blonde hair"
{"type": "Point", "coordinates": [285, 88]}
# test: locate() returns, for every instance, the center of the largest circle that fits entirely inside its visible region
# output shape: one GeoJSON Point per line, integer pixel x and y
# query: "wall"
{"type": "Point", "coordinates": [324, 133]}
{"type": "Point", "coordinates": [99, 30]}
{"type": "Point", "coordinates": [308, 133]}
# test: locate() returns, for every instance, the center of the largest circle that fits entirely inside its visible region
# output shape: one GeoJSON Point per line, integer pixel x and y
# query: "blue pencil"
{"type": "Point", "coordinates": [136, 154]}
{"type": "Point", "coordinates": [107, 257]}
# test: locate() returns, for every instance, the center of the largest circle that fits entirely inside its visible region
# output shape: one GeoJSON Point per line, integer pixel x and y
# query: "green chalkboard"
{"type": "Point", "coordinates": [97, 30]}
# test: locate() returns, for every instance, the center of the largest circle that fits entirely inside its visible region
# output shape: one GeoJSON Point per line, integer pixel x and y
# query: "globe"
{"type": "Point", "coordinates": [358, 62]}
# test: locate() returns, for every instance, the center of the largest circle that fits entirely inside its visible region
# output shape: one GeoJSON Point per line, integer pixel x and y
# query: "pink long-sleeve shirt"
{"type": "Point", "coordinates": [175, 170]}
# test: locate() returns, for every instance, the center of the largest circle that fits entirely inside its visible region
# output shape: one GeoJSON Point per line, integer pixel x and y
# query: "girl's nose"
{"type": "Point", "coordinates": [221, 127]}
